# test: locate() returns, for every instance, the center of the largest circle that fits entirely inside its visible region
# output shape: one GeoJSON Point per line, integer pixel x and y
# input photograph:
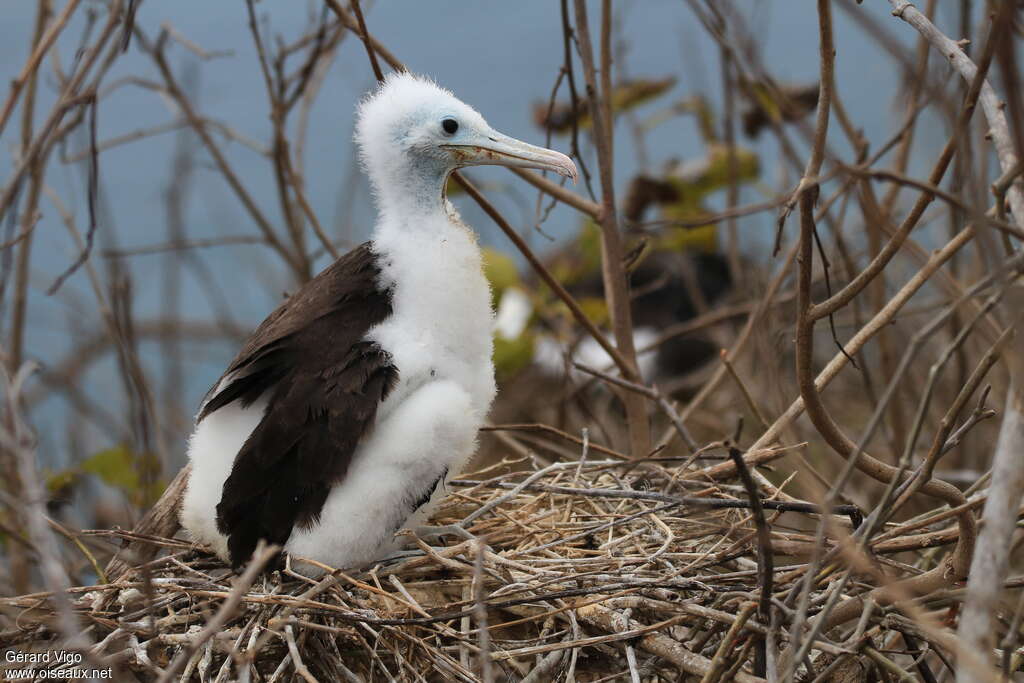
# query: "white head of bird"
{"type": "Point", "coordinates": [413, 133]}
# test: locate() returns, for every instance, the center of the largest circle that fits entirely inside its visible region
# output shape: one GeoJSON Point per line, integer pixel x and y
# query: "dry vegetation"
{"type": "Point", "coordinates": [732, 522]}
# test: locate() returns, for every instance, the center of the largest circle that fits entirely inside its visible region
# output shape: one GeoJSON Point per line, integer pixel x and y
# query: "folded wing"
{"type": "Point", "coordinates": [323, 382]}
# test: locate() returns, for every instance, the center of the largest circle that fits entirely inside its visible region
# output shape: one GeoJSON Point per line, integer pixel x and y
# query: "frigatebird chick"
{"type": "Point", "coordinates": [348, 408]}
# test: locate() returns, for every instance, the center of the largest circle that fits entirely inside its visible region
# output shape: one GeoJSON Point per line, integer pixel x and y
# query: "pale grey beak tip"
{"type": "Point", "coordinates": [568, 169]}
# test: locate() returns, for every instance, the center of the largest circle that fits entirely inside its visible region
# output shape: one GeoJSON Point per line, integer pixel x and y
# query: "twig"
{"type": "Point", "coordinates": [480, 614]}
{"type": "Point", "coordinates": [616, 288]}
{"type": "Point", "coordinates": [261, 556]}
{"type": "Point", "coordinates": [990, 103]}
{"type": "Point", "coordinates": [852, 511]}
{"type": "Point", "coordinates": [293, 650]}
{"type": "Point", "coordinates": [765, 557]}
{"type": "Point", "coordinates": [651, 393]}
{"type": "Point", "coordinates": [39, 51]}
{"type": "Point", "coordinates": [364, 35]}
{"type": "Point", "coordinates": [16, 439]}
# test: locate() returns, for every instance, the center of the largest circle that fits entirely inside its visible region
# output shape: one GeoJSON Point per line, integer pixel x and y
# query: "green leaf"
{"type": "Point", "coordinates": [500, 270]}
{"type": "Point", "coordinates": [60, 480]}
{"type": "Point", "coordinates": [120, 468]}
{"type": "Point", "coordinates": [512, 356]}
{"type": "Point", "coordinates": [115, 467]}
{"type": "Point", "coordinates": [625, 96]}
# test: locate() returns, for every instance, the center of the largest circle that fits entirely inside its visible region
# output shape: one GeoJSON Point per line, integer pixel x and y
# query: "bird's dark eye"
{"type": "Point", "coordinates": [450, 126]}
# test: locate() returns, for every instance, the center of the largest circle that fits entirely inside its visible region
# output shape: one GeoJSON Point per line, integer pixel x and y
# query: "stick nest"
{"type": "Point", "coordinates": [586, 569]}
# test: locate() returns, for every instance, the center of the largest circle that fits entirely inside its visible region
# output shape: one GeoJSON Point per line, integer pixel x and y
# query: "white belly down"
{"type": "Point", "coordinates": [428, 437]}
{"type": "Point", "coordinates": [423, 440]}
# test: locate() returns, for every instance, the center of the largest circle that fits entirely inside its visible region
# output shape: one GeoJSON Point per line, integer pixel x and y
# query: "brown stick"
{"type": "Point", "coordinates": [198, 124]}
{"type": "Point", "coordinates": [28, 71]}
{"type": "Point", "coordinates": [161, 520]}
{"type": "Point", "coordinates": [616, 288]}
{"type": "Point", "coordinates": [19, 566]}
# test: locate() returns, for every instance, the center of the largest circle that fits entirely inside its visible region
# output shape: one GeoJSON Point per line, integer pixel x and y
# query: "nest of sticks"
{"type": "Point", "coordinates": [586, 571]}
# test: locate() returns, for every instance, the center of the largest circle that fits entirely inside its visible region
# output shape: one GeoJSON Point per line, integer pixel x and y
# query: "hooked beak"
{"type": "Point", "coordinates": [496, 149]}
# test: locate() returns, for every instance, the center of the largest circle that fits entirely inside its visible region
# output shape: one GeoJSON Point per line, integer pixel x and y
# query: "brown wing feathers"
{"type": "Point", "coordinates": [323, 383]}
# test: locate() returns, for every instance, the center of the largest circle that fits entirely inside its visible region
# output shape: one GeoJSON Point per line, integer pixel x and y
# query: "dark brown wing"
{"type": "Point", "coordinates": [323, 383]}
